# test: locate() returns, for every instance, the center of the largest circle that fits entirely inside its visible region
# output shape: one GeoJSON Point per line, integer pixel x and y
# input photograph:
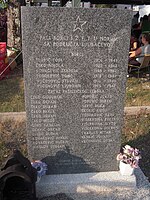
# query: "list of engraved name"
{"type": "Point", "coordinates": [57, 80]}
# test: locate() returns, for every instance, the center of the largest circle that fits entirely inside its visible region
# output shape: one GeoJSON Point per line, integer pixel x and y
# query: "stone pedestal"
{"type": "Point", "coordinates": [86, 185]}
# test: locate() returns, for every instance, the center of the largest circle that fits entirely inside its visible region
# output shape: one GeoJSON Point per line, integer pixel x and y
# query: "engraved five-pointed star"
{"type": "Point", "coordinates": [78, 24]}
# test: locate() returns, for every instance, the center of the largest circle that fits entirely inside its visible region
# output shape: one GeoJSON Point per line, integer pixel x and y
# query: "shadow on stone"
{"type": "Point", "coordinates": [66, 163]}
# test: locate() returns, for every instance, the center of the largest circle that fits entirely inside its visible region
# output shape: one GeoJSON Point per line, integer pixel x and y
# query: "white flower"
{"type": "Point", "coordinates": [127, 146]}
{"type": "Point", "coordinates": [129, 155]}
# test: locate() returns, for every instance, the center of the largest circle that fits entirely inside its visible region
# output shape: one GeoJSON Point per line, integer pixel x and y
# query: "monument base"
{"type": "Point", "coordinates": [85, 184]}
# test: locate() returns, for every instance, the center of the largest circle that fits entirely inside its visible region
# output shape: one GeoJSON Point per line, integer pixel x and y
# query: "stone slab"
{"type": "Point", "coordinates": [137, 110]}
{"type": "Point", "coordinates": [16, 116]}
{"type": "Point", "coordinates": [75, 66]}
{"type": "Point", "coordinates": [85, 184]}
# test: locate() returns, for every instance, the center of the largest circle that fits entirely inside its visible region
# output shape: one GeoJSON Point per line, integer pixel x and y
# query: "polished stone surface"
{"type": "Point", "coordinates": [75, 66]}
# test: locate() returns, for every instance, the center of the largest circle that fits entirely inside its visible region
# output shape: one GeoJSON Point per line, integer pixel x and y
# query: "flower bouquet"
{"type": "Point", "coordinates": [41, 168]}
{"type": "Point", "coordinates": [129, 159]}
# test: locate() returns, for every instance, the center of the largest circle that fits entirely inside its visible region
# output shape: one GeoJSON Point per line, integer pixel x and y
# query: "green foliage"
{"type": "Point", "coordinates": [3, 4]}
{"type": "Point", "coordinates": [103, 5]}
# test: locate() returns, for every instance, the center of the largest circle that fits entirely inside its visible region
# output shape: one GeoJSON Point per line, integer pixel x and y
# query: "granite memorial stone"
{"type": "Point", "coordinates": [75, 66]}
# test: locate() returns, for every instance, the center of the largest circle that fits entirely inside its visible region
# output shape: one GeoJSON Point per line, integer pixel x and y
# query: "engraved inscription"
{"type": "Point", "coordinates": [75, 73]}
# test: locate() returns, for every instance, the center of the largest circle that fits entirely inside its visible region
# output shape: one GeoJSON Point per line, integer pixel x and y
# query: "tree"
{"type": "Point", "coordinates": [13, 21]}
{"type": "Point", "coordinates": [3, 4]}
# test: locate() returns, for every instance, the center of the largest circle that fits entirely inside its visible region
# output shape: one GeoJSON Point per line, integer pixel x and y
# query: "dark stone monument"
{"type": "Point", "coordinates": [75, 66]}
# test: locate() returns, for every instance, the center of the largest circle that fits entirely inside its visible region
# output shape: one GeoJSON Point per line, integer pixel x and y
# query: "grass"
{"type": "Point", "coordinates": [13, 136]}
{"type": "Point", "coordinates": [136, 132]}
{"type": "Point", "coordinates": [12, 94]}
{"type": "Point", "coordinates": [137, 93]}
{"type": "Point", "coordinates": [135, 126]}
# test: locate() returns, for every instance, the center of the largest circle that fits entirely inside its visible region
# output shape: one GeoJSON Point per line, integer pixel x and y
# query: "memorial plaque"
{"type": "Point", "coordinates": [75, 66]}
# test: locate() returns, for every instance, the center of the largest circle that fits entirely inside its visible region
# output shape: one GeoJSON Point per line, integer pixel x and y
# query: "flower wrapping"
{"type": "Point", "coordinates": [40, 166]}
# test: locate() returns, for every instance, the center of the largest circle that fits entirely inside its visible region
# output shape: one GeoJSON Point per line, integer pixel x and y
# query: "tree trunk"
{"type": "Point", "coordinates": [14, 25]}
